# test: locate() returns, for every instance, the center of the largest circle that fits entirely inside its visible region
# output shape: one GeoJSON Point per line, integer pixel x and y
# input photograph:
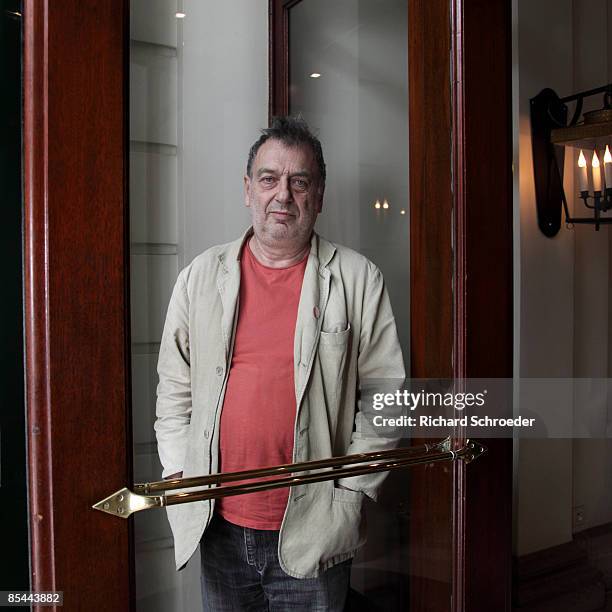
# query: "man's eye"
{"type": "Point", "coordinates": [267, 179]}
{"type": "Point", "coordinates": [300, 183]}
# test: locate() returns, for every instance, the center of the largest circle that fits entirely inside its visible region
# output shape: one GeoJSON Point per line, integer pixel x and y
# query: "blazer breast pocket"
{"type": "Point", "coordinates": [334, 338]}
{"type": "Point", "coordinates": [330, 371]}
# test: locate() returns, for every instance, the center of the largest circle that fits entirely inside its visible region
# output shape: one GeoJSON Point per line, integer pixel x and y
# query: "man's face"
{"type": "Point", "coordinates": [284, 194]}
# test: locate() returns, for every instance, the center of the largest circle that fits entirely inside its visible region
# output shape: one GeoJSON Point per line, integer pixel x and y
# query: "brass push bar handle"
{"type": "Point", "coordinates": [124, 502]}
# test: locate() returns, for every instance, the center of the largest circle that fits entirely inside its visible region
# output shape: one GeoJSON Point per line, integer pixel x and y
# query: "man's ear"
{"type": "Point", "coordinates": [320, 192]}
{"type": "Point", "coordinates": [247, 191]}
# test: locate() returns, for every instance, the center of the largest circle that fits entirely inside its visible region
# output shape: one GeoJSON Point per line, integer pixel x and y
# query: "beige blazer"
{"type": "Point", "coordinates": [345, 333]}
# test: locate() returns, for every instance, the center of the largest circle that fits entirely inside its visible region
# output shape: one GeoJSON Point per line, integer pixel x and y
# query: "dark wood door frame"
{"type": "Point", "coordinates": [77, 380]}
{"type": "Point", "coordinates": [484, 277]}
{"type": "Point", "coordinates": [481, 333]}
{"type": "Point", "coordinates": [76, 251]}
{"type": "Point", "coordinates": [461, 300]}
{"type": "Point", "coordinates": [437, 564]}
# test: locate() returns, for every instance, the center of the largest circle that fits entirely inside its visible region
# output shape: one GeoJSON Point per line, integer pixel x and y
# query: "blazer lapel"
{"type": "Point", "coordinates": [228, 285]}
{"type": "Point", "coordinates": [313, 300]}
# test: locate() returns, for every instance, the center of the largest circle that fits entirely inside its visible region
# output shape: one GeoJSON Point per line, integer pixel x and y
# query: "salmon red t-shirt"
{"type": "Point", "coordinates": [258, 415]}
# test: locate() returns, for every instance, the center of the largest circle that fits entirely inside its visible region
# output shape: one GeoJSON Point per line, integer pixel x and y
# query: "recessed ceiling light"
{"type": "Point", "coordinates": [180, 15]}
{"type": "Point", "coordinates": [315, 75]}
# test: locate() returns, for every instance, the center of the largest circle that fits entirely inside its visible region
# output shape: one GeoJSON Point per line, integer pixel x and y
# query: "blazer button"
{"type": "Point", "coordinates": [219, 370]}
{"type": "Point", "coordinates": [316, 312]}
{"type": "Point", "coordinates": [206, 433]}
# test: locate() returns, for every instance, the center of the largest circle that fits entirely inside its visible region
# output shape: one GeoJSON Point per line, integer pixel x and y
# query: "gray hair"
{"type": "Point", "coordinates": [293, 132]}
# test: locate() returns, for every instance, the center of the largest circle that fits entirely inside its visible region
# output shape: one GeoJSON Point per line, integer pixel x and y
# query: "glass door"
{"type": "Point", "coordinates": [199, 95]}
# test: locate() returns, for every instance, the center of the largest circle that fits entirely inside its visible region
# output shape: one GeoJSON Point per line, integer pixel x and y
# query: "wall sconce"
{"type": "Point", "coordinates": [550, 134]}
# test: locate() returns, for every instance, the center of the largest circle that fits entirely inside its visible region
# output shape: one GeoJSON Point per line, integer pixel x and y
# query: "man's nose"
{"type": "Point", "coordinates": [284, 192]}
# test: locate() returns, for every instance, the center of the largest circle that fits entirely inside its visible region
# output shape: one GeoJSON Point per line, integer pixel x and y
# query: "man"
{"type": "Point", "coordinates": [265, 344]}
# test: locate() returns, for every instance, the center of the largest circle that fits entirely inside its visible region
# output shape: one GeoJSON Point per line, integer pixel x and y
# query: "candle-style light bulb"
{"type": "Point", "coordinates": [608, 167]}
{"type": "Point", "coordinates": [583, 177]}
{"type": "Point", "coordinates": [385, 204]}
{"type": "Point", "coordinates": [377, 205]}
{"type": "Point", "coordinates": [596, 172]}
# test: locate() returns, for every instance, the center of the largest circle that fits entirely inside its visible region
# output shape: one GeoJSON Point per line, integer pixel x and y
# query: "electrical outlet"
{"type": "Point", "coordinates": [579, 516]}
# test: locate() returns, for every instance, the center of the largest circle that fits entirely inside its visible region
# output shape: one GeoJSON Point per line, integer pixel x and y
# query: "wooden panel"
{"type": "Point", "coordinates": [485, 233]}
{"type": "Point", "coordinates": [278, 96]}
{"type": "Point", "coordinates": [278, 24]}
{"type": "Point", "coordinates": [431, 299]}
{"type": "Point", "coordinates": [430, 188]}
{"type": "Point", "coordinates": [77, 297]}
{"type": "Point", "coordinates": [479, 498]}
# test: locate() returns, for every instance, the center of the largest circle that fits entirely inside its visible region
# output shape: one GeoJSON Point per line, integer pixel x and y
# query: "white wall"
{"type": "Point", "coordinates": [592, 469]}
{"type": "Point", "coordinates": [224, 99]}
{"type": "Point", "coordinates": [562, 284]}
{"type": "Point", "coordinates": [546, 285]}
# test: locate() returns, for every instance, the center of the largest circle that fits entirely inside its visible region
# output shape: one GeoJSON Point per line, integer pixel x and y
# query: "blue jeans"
{"type": "Point", "coordinates": [240, 571]}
